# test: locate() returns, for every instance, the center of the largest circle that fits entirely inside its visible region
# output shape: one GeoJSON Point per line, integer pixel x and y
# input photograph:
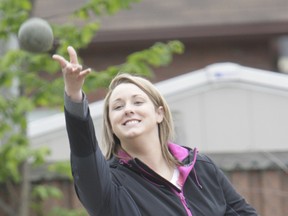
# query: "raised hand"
{"type": "Point", "coordinates": [73, 73]}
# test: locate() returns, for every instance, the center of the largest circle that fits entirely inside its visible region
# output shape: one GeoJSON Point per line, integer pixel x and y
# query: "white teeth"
{"type": "Point", "coordinates": [131, 122]}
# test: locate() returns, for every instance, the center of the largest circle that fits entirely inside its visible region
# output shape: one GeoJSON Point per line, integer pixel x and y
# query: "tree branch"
{"type": "Point", "coordinates": [25, 189]}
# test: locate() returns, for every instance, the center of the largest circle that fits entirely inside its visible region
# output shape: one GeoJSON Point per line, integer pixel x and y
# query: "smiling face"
{"type": "Point", "coordinates": [132, 114]}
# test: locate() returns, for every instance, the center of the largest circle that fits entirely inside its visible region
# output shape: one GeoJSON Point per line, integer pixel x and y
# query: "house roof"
{"type": "Point", "coordinates": [185, 17]}
{"type": "Point", "coordinates": [223, 72]}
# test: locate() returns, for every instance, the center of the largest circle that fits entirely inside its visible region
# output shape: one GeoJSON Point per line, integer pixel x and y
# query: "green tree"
{"type": "Point", "coordinates": [24, 87]}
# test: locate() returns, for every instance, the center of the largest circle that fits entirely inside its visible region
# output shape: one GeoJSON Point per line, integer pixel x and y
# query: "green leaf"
{"type": "Point", "coordinates": [59, 211]}
{"type": "Point", "coordinates": [43, 192]}
{"type": "Point", "coordinates": [39, 155]}
{"type": "Point", "coordinates": [62, 167]}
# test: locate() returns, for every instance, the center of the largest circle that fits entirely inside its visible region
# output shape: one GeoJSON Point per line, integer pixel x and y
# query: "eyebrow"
{"type": "Point", "coordinates": [119, 99]}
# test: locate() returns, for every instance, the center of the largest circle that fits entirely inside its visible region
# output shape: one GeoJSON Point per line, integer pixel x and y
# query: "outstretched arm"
{"type": "Point", "coordinates": [90, 170]}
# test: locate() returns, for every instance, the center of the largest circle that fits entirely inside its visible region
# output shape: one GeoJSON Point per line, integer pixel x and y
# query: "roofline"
{"type": "Point", "coordinates": [193, 31]}
{"type": "Point", "coordinates": [224, 72]}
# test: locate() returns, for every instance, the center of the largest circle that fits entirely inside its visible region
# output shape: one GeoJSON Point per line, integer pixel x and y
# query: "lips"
{"type": "Point", "coordinates": [131, 122]}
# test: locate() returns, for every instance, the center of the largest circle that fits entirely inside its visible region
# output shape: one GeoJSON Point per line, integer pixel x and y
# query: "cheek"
{"type": "Point", "coordinates": [110, 118]}
{"type": "Point", "coordinates": [114, 118]}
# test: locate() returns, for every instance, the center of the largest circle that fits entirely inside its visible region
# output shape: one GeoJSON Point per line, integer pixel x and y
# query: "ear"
{"type": "Point", "coordinates": [160, 114]}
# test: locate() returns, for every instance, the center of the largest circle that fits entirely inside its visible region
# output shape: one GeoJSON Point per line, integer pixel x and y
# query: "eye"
{"type": "Point", "coordinates": [138, 102]}
{"type": "Point", "coordinates": [117, 107]}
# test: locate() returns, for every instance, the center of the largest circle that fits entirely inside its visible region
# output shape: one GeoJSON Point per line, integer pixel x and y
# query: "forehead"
{"type": "Point", "coordinates": [126, 90]}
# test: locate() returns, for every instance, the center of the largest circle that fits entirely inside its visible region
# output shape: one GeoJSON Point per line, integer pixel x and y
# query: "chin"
{"type": "Point", "coordinates": [132, 135]}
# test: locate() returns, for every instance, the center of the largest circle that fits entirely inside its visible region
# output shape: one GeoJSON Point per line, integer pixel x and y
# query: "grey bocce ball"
{"type": "Point", "coordinates": [35, 35]}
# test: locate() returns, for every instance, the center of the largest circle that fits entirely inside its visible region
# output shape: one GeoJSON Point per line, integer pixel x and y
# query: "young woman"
{"type": "Point", "coordinates": [144, 173]}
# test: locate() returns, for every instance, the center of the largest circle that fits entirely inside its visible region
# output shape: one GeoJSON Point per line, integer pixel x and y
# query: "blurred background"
{"type": "Point", "coordinates": [228, 90]}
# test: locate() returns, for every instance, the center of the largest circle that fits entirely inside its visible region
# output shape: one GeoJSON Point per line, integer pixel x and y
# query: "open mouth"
{"type": "Point", "coordinates": [131, 122]}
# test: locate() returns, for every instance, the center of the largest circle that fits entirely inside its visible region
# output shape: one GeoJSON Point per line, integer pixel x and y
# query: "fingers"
{"type": "Point", "coordinates": [85, 72]}
{"type": "Point", "coordinates": [62, 61]}
{"type": "Point", "coordinates": [73, 65]}
{"type": "Point", "coordinates": [72, 55]}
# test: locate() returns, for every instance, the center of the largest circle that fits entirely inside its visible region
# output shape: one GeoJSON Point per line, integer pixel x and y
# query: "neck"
{"type": "Point", "coordinates": [150, 153]}
{"type": "Point", "coordinates": [142, 147]}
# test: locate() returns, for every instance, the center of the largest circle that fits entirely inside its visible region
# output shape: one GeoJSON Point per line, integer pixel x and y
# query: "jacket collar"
{"type": "Point", "coordinates": [181, 153]}
{"type": "Point", "coordinates": [185, 155]}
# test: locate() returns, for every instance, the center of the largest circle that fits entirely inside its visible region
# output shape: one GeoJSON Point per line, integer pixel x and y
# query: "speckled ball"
{"type": "Point", "coordinates": [35, 35]}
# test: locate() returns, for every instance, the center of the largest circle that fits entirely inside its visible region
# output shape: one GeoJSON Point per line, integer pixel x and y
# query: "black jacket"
{"type": "Point", "coordinates": [115, 188]}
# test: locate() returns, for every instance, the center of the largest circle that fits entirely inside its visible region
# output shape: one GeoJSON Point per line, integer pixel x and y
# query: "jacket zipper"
{"type": "Point", "coordinates": [180, 194]}
{"type": "Point", "coordinates": [183, 201]}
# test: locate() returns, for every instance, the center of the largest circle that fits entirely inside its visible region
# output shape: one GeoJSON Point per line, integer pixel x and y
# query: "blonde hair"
{"type": "Point", "coordinates": [166, 127]}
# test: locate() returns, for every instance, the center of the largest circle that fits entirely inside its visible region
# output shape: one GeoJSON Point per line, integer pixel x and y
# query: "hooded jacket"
{"type": "Point", "coordinates": [127, 187]}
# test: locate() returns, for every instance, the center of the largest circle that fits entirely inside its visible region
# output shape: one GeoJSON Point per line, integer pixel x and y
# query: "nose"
{"type": "Point", "coordinates": [128, 110]}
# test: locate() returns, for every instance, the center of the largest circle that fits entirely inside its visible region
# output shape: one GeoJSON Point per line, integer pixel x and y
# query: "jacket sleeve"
{"type": "Point", "coordinates": [235, 203]}
{"type": "Point", "coordinates": [91, 173]}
